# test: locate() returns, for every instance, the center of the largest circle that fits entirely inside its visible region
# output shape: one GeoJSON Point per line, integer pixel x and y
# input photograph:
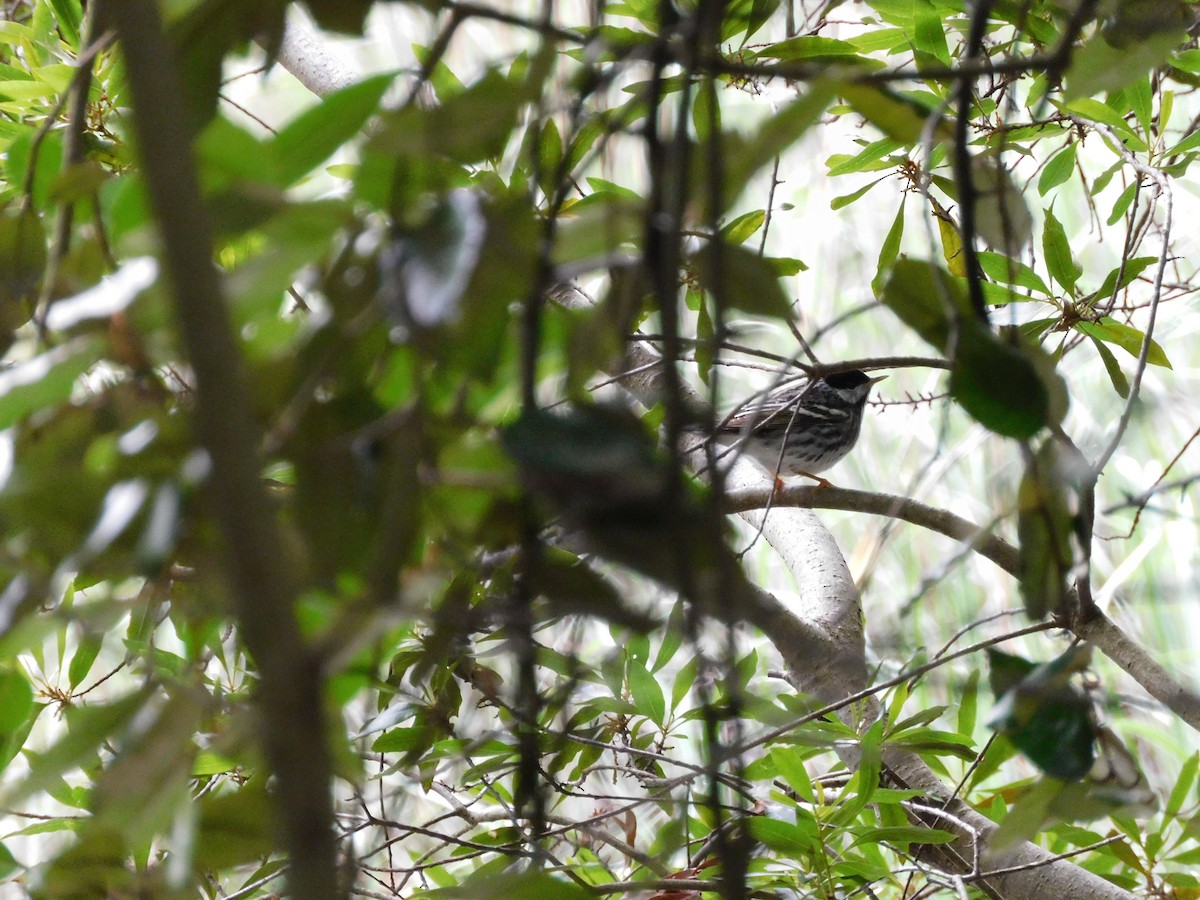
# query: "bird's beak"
{"type": "Point", "coordinates": [877, 379]}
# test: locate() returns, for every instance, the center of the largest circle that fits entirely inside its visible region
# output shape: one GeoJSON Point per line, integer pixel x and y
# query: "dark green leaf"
{"type": "Point", "coordinates": [574, 588]}
{"type": "Point", "coordinates": [206, 33]}
{"type": "Point", "coordinates": [498, 885]}
{"type": "Point", "coordinates": [1047, 717]}
{"type": "Point", "coordinates": [1002, 216]}
{"type": "Point", "coordinates": [22, 262]}
{"type": "Point", "coordinates": [1010, 389]}
{"type": "Point", "coordinates": [348, 16]}
{"type": "Point", "coordinates": [741, 279]}
{"type": "Point", "coordinates": [425, 270]}
{"type": "Point", "coordinates": [998, 384]}
{"type": "Point", "coordinates": [234, 828]}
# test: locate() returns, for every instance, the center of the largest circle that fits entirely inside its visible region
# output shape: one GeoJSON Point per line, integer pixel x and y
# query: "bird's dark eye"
{"type": "Point", "coordinates": [845, 380]}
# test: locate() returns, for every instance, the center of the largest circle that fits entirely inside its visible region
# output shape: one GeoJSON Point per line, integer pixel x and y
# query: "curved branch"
{"type": "Point", "coordinates": [1095, 627]}
{"type": "Point", "coordinates": [998, 550]}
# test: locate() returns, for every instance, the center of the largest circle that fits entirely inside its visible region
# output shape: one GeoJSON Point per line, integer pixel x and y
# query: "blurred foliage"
{"type": "Point", "coordinates": [387, 255]}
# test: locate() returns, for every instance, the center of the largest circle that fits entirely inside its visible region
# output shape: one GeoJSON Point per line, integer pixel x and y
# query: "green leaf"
{"type": "Point", "coordinates": [1007, 270]}
{"type": "Point", "coordinates": [929, 33]}
{"type": "Point", "coordinates": [1191, 142]}
{"type": "Point", "coordinates": [22, 262]}
{"type": "Point", "coordinates": [647, 693]}
{"type": "Point", "coordinates": [741, 279]}
{"type": "Point", "coordinates": [790, 765]}
{"type": "Point", "coordinates": [1098, 66]}
{"type": "Point", "coordinates": [1045, 527]}
{"type": "Point", "coordinates": [812, 47]}
{"type": "Point", "coordinates": [1140, 99]}
{"type": "Point", "coordinates": [574, 588]}
{"type": "Point", "coordinates": [87, 728]}
{"type": "Point", "coordinates": [1057, 250]}
{"type": "Point", "coordinates": [1119, 382]}
{"type": "Point", "coordinates": [952, 245]}
{"type": "Point", "coordinates": [346, 16]}
{"type": "Point", "coordinates": [138, 793]}
{"type": "Point", "coordinates": [999, 385]}
{"type": "Point", "coordinates": [847, 199]}
{"type": "Point", "coordinates": [968, 704]}
{"type": "Point", "coordinates": [1058, 169]}
{"type": "Point", "coordinates": [1009, 388]}
{"type": "Point", "coordinates": [1126, 337]}
{"type": "Point", "coordinates": [1046, 715]}
{"type": "Point", "coordinates": [45, 380]}
{"type": "Point", "coordinates": [781, 837]}
{"type": "Point", "coordinates": [317, 133]}
{"type": "Point", "coordinates": [778, 133]}
{"type": "Point", "coordinates": [498, 885]}
{"type": "Point", "coordinates": [598, 225]}
{"type": "Point", "coordinates": [903, 834]}
{"type": "Point", "coordinates": [69, 14]}
{"type": "Point", "coordinates": [1121, 206]}
{"type": "Point", "coordinates": [1096, 111]}
{"type": "Point", "coordinates": [889, 250]}
{"type": "Point", "coordinates": [85, 654]}
{"type": "Point", "coordinates": [427, 268]}
{"type": "Point", "coordinates": [16, 702]}
{"type": "Point", "coordinates": [862, 160]}
{"type": "Point", "coordinates": [1183, 785]}
{"type": "Point", "coordinates": [234, 828]}
{"type": "Point", "coordinates": [1129, 270]}
{"type": "Point", "coordinates": [468, 127]}
{"type": "Point", "coordinates": [206, 33]}
{"type": "Point", "coordinates": [897, 116]}
{"type": "Point", "coordinates": [744, 227]}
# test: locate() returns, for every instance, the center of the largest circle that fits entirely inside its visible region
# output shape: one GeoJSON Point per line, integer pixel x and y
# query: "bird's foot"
{"type": "Point", "coordinates": [820, 482]}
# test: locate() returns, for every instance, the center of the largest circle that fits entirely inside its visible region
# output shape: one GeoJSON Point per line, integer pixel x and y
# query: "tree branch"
{"type": "Point", "coordinates": [289, 693]}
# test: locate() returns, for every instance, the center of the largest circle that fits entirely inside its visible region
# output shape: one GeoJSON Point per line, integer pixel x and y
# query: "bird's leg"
{"type": "Point", "coordinates": [821, 482]}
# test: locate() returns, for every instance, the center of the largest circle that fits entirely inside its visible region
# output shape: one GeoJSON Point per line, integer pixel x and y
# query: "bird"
{"type": "Point", "coordinates": [804, 431]}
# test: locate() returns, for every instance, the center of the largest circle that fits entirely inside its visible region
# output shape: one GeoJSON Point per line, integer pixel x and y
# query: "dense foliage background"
{"type": "Point", "coordinates": [359, 531]}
